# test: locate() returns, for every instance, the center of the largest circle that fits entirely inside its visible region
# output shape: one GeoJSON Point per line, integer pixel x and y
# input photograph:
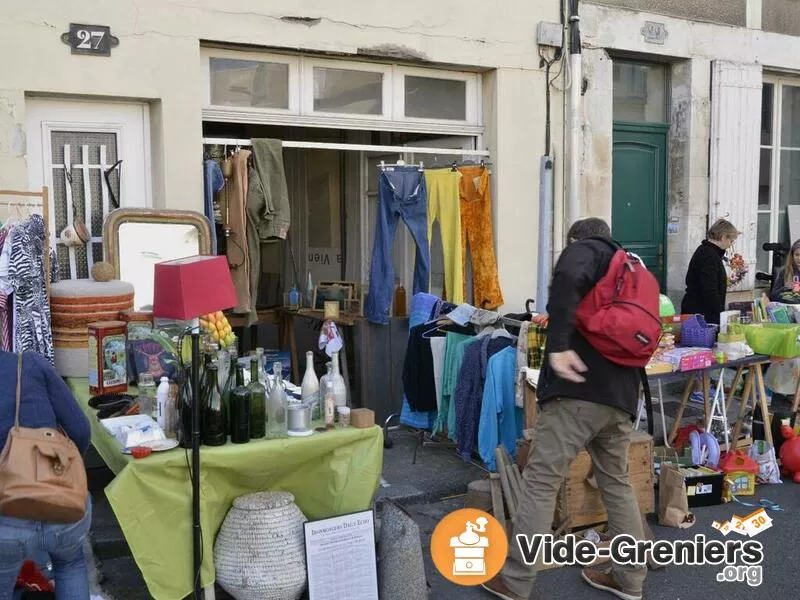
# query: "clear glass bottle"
{"type": "Point", "coordinates": [214, 431]}
{"type": "Point", "coordinates": [262, 369]}
{"type": "Point", "coordinates": [258, 399]}
{"type": "Point", "coordinates": [309, 388]}
{"type": "Point", "coordinates": [330, 404]}
{"type": "Point", "coordinates": [240, 409]}
{"type": "Point", "coordinates": [339, 387]}
{"type": "Point", "coordinates": [276, 418]}
{"type": "Point", "coordinates": [146, 399]}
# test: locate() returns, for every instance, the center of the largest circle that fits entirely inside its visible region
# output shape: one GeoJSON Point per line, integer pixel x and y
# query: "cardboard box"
{"type": "Point", "coordinates": [362, 418]}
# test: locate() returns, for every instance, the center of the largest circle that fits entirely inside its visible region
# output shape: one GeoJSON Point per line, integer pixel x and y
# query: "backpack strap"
{"type": "Point", "coordinates": [648, 401]}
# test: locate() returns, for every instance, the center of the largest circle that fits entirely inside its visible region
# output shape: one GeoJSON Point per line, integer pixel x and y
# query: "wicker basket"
{"type": "Point", "coordinates": [259, 553]}
{"type": "Point", "coordinates": [696, 333]}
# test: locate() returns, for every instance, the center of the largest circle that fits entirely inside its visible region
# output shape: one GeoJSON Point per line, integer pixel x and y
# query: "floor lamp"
{"type": "Point", "coordinates": [184, 290]}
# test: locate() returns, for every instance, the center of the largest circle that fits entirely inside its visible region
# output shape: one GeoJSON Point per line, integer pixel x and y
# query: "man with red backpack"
{"type": "Point", "coordinates": [600, 334]}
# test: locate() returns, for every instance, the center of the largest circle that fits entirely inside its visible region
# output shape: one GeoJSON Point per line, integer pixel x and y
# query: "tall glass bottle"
{"type": "Point", "coordinates": [276, 418]}
{"type": "Point", "coordinates": [262, 369]}
{"type": "Point", "coordinates": [240, 409]}
{"type": "Point", "coordinates": [309, 388]}
{"type": "Point", "coordinates": [214, 431]}
{"type": "Point", "coordinates": [185, 409]}
{"type": "Point", "coordinates": [337, 381]}
{"type": "Point", "coordinates": [258, 400]}
{"type": "Point", "coordinates": [227, 388]}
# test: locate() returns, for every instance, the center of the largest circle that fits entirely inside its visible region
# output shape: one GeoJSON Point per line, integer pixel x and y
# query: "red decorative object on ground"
{"type": "Point", "coordinates": [790, 454]}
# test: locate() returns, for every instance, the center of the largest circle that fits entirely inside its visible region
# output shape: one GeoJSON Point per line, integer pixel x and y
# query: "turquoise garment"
{"type": "Point", "coordinates": [449, 376]}
{"type": "Point", "coordinates": [451, 408]}
{"type": "Point", "coordinates": [501, 420]}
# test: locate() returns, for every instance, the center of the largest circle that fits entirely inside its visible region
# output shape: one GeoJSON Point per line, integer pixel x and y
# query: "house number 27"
{"type": "Point", "coordinates": [89, 39]}
{"type": "Point", "coordinates": [86, 38]}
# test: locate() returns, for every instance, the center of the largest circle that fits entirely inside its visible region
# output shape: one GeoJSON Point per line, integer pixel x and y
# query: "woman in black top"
{"type": "Point", "coordinates": [706, 278]}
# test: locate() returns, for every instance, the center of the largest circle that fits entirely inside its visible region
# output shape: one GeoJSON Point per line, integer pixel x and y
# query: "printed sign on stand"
{"type": "Point", "coordinates": [340, 554]}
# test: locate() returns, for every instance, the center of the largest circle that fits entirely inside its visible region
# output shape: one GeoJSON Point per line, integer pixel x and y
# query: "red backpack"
{"type": "Point", "coordinates": [619, 317]}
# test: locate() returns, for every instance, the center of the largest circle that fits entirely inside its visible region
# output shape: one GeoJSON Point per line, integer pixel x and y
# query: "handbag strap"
{"type": "Point", "coordinates": [19, 385]}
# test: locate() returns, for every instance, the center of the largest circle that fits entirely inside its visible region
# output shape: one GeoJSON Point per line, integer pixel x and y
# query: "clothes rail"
{"type": "Point", "coordinates": [352, 147]}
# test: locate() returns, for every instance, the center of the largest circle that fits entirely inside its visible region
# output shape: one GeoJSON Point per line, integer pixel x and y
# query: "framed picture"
{"type": "Point", "coordinates": [352, 285]}
{"type": "Point", "coordinates": [332, 292]}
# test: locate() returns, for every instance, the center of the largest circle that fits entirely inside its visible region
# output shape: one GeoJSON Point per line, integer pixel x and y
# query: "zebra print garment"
{"type": "Point", "coordinates": [32, 331]}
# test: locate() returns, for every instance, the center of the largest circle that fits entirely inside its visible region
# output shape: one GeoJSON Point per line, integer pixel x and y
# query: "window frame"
{"type": "Point", "coordinates": [294, 87]}
{"type": "Point", "coordinates": [307, 66]}
{"type": "Point", "coordinates": [776, 149]}
{"type": "Point", "coordinates": [301, 96]}
{"type": "Point", "coordinates": [472, 95]}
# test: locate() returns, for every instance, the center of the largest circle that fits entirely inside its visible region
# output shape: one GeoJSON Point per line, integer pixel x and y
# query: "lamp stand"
{"type": "Point", "coordinates": [197, 548]}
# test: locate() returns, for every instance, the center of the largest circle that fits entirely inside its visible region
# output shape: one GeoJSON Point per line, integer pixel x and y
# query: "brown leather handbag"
{"type": "Point", "coordinates": [42, 475]}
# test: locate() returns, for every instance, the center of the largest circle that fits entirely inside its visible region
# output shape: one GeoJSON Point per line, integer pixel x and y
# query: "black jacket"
{"type": "Point", "coordinates": [581, 265]}
{"type": "Point", "coordinates": [706, 283]}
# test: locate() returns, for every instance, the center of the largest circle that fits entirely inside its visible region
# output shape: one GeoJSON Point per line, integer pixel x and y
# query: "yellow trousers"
{"type": "Point", "coordinates": [444, 205]}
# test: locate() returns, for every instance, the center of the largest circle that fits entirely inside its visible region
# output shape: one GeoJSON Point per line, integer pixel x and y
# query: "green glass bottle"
{"type": "Point", "coordinates": [214, 430]}
{"type": "Point", "coordinates": [258, 403]}
{"type": "Point", "coordinates": [227, 389]}
{"type": "Point", "coordinates": [240, 409]}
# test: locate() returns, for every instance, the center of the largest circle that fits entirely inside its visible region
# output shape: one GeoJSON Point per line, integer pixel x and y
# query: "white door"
{"type": "Point", "coordinates": [106, 149]}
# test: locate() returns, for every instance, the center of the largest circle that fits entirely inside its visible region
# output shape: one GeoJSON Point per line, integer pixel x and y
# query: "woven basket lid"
{"type": "Point", "coordinates": [82, 288]}
{"type": "Point", "coordinates": [264, 501]}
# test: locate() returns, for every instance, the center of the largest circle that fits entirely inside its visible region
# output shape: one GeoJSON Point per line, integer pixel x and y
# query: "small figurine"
{"type": "Point", "coordinates": [790, 454]}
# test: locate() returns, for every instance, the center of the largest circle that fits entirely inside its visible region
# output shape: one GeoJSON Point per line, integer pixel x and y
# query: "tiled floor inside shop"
{"type": "Point", "coordinates": [435, 485]}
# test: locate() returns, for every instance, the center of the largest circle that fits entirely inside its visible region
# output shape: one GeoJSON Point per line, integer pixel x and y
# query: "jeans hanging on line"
{"type": "Point", "coordinates": [401, 194]}
{"type": "Point", "coordinates": [212, 183]}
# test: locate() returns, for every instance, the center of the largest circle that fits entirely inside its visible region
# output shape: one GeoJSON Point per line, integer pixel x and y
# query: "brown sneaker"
{"type": "Point", "coordinates": [496, 587]}
{"type": "Point", "coordinates": [605, 581]}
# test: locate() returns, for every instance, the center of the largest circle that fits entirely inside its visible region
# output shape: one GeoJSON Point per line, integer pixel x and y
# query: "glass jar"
{"type": "Point", "coordinates": [147, 395]}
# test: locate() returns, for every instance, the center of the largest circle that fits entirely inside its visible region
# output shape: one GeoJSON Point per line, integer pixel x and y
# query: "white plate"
{"type": "Point", "coordinates": [155, 445]}
{"type": "Point", "coordinates": [161, 445]}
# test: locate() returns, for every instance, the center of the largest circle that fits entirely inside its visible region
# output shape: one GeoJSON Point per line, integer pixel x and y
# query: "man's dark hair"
{"type": "Point", "coordinates": [586, 228]}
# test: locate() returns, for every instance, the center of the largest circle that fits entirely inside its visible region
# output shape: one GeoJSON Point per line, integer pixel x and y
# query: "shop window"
{"type": "Point", "coordinates": [348, 91]}
{"type": "Point", "coordinates": [779, 181]}
{"type": "Point", "coordinates": [249, 83]}
{"type": "Point", "coordinates": [434, 98]}
{"type": "Point", "coordinates": [640, 92]}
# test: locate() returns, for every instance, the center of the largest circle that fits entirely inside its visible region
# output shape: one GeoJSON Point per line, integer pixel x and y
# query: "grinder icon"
{"type": "Point", "coordinates": [469, 549]}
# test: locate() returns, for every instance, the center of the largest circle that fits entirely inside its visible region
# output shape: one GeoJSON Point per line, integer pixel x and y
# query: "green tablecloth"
{"type": "Point", "coordinates": [329, 473]}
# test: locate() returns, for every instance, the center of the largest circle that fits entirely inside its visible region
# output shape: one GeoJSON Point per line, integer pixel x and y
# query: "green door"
{"type": "Point", "coordinates": [639, 184]}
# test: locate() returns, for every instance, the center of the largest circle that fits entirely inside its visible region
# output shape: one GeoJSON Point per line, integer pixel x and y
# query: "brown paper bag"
{"type": "Point", "coordinates": [673, 505]}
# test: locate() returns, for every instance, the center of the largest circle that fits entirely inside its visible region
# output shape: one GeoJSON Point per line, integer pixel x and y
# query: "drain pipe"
{"type": "Point", "coordinates": [544, 267]}
{"type": "Point", "coordinates": [575, 141]}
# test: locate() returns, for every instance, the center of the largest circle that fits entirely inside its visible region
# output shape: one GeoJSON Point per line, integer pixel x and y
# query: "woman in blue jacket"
{"type": "Point", "coordinates": [45, 401]}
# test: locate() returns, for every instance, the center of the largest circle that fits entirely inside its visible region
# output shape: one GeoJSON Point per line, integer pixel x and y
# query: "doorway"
{"type": "Point", "coordinates": [639, 162]}
{"type": "Point", "coordinates": [94, 157]}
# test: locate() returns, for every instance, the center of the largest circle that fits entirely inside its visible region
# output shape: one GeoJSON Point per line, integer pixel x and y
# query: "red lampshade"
{"type": "Point", "coordinates": [190, 287]}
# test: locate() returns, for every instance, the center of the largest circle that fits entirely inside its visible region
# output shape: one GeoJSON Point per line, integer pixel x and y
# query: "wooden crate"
{"type": "Point", "coordinates": [583, 503]}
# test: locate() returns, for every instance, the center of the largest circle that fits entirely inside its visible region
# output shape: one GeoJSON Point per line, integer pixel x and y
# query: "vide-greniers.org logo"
{"type": "Point", "coordinates": [742, 558]}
